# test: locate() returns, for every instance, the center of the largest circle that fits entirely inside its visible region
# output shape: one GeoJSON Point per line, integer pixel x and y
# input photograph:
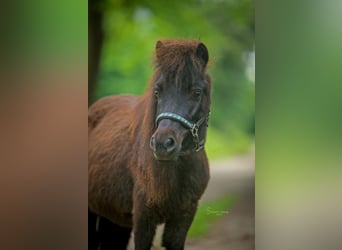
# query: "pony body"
{"type": "Point", "coordinates": [128, 186]}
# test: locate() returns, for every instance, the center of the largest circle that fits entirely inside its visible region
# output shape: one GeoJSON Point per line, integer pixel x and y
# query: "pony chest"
{"type": "Point", "coordinates": [189, 189]}
{"type": "Point", "coordinates": [179, 201]}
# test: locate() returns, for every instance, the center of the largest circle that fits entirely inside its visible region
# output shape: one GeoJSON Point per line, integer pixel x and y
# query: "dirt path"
{"type": "Point", "coordinates": [234, 230]}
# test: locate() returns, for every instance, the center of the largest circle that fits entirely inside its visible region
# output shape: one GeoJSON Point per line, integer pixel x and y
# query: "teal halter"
{"type": "Point", "coordinates": [193, 127]}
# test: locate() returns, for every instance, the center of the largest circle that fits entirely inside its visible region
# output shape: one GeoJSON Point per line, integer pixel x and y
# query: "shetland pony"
{"type": "Point", "coordinates": [147, 163]}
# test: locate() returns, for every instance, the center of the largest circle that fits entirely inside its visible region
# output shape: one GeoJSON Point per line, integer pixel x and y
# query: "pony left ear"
{"type": "Point", "coordinates": [202, 53]}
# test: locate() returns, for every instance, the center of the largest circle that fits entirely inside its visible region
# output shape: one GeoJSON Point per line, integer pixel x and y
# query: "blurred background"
{"type": "Point", "coordinates": [122, 38]}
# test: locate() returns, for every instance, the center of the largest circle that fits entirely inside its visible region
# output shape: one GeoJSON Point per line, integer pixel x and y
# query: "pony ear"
{"type": "Point", "coordinates": [202, 53]}
{"type": "Point", "coordinates": [159, 44]}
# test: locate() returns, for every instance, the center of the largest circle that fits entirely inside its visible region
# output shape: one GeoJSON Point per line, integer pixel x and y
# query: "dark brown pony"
{"type": "Point", "coordinates": [147, 163]}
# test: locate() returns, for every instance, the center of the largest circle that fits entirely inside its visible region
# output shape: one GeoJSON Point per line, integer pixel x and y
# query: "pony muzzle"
{"type": "Point", "coordinates": [165, 144]}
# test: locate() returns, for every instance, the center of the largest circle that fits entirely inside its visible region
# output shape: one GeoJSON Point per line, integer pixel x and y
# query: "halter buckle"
{"type": "Point", "coordinates": [194, 131]}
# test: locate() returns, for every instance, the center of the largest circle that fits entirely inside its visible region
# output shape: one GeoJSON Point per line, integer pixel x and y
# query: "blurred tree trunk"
{"type": "Point", "coordinates": [95, 41]}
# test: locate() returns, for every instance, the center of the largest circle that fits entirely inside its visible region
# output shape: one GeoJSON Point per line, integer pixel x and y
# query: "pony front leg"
{"type": "Point", "coordinates": [144, 228]}
{"type": "Point", "coordinates": [176, 229]}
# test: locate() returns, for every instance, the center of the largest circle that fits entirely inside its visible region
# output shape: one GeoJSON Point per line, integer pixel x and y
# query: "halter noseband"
{"type": "Point", "coordinates": [193, 127]}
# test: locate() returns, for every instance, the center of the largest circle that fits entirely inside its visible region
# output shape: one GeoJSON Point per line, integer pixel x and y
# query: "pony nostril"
{"type": "Point", "coordinates": [169, 143]}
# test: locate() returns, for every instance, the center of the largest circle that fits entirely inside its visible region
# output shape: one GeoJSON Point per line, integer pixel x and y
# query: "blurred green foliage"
{"type": "Point", "coordinates": [226, 27]}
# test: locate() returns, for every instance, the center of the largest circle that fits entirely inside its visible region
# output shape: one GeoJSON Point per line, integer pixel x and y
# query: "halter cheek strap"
{"type": "Point", "coordinates": [193, 127]}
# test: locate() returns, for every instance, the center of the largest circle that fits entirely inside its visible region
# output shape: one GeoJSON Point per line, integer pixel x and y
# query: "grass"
{"type": "Point", "coordinates": [208, 213]}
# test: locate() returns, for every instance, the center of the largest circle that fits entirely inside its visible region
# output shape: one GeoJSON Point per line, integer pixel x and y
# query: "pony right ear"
{"type": "Point", "coordinates": [159, 44]}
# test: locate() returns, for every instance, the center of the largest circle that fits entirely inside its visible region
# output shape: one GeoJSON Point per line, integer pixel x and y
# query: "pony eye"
{"type": "Point", "coordinates": [156, 93]}
{"type": "Point", "coordinates": [197, 93]}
